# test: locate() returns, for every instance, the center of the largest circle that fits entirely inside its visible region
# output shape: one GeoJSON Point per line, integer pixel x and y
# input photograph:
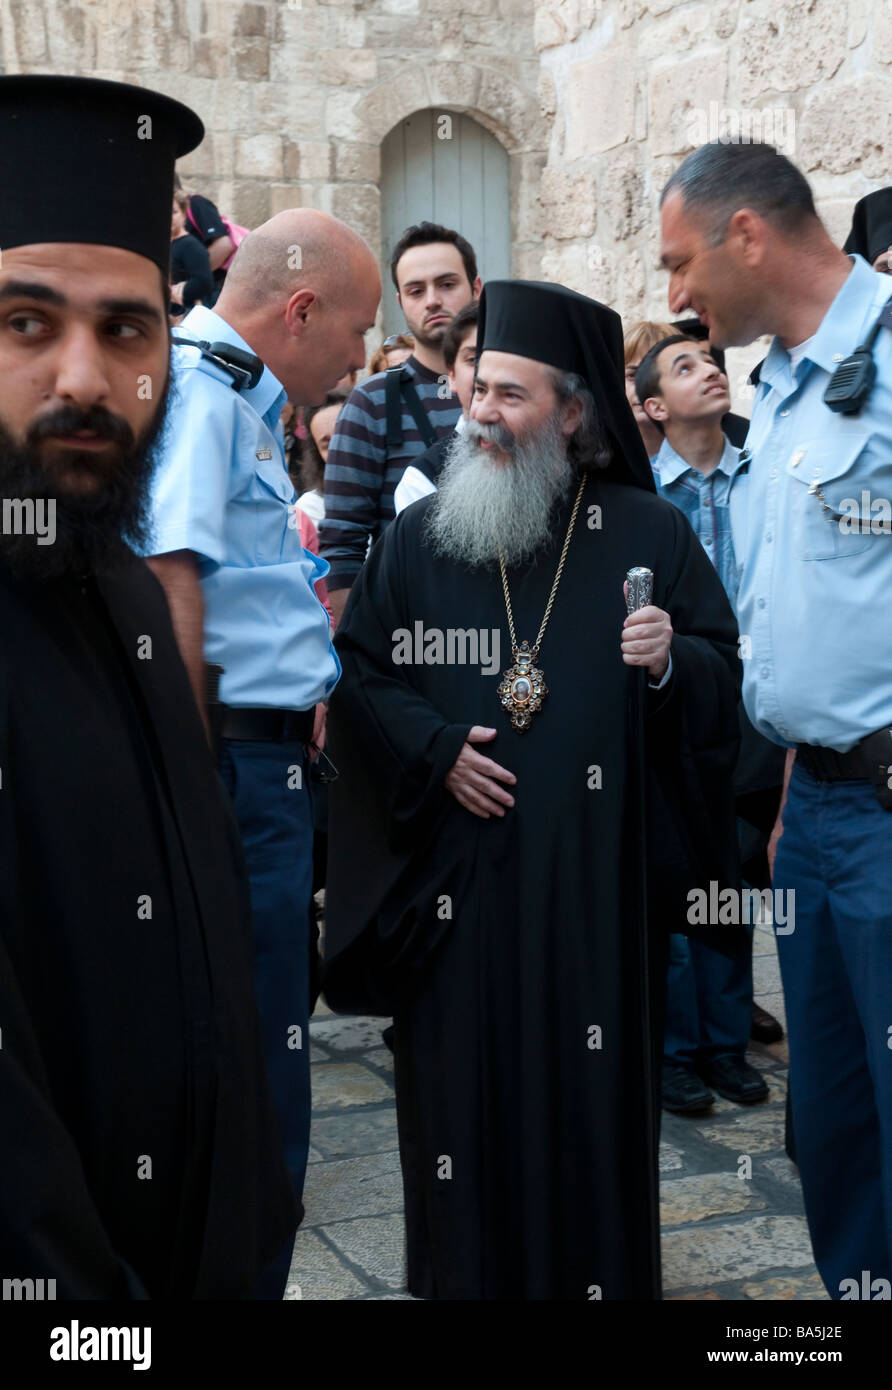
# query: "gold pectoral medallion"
{"type": "Point", "coordinates": [523, 688]}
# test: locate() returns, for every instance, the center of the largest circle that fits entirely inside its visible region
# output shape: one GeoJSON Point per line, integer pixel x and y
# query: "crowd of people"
{"type": "Point", "coordinates": [296, 629]}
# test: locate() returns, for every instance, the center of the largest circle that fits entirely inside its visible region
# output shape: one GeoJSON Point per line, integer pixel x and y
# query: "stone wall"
{"type": "Point", "coordinates": [297, 95]}
{"type": "Point", "coordinates": [631, 85]}
{"type": "Point", "coordinates": [595, 101]}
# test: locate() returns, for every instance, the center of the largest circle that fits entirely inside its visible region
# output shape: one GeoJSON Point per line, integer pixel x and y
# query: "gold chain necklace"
{"type": "Point", "coordinates": [523, 685]}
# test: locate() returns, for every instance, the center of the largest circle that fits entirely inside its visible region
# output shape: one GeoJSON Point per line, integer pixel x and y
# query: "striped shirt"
{"type": "Point", "coordinates": [360, 477]}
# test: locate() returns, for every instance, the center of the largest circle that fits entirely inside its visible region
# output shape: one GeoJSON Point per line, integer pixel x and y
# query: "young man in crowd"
{"type": "Point", "coordinates": [709, 1004]}
{"type": "Point", "coordinates": [435, 273]}
{"type": "Point", "coordinates": [460, 356]}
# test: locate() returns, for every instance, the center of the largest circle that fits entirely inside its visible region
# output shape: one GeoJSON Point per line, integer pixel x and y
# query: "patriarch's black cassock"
{"type": "Point", "coordinates": [126, 1002]}
{"type": "Point", "coordinates": [514, 953]}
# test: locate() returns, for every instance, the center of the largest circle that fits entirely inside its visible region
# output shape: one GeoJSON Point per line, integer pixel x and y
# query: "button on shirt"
{"type": "Point", "coordinates": [222, 490]}
{"type": "Point", "coordinates": [704, 500]}
{"type": "Point", "coordinates": [807, 502]}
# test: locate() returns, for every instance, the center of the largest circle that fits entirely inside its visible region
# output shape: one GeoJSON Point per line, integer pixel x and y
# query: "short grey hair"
{"type": "Point", "coordinates": [718, 180]}
{"type": "Point", "coordinates": [588, 446]}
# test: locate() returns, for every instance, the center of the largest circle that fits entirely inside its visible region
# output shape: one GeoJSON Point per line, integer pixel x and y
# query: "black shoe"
{"type": "Point", "coordinates": [682, 1091]}
{"type": "Point", "coordinates": [765, 1028]}
{"type": "Point", "coordinates": [735, 1079]}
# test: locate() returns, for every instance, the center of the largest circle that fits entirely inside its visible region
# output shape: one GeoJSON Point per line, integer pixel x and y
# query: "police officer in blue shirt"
{"type": "Point", "coordinates": [810, 513]}
{"type": "Point", "coordinates": [291, 320]}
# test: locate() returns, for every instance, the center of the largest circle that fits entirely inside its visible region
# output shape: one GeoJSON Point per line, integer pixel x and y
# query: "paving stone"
{"type": "Point", "coordinates": [760, 1129]}
{"type": "Point", "coordinates": [706, 1194]}
{"type": "Point", "coordinates": [316, 1272]}
{"type": "Point", "coordinates": [381, 1057]}
{"type": "Point", "coordinates": [670, 1158]}
{"type": "Point", "coordinates": [351, 1187]}
{"type": "Point", "coordinates": [808, 1286]}
{"type": "Point", "coordinates": [340, 1085]}
{"type": "Point", "coordinates": [318, 1054]}
{"type": "Point", "coordinates": [315, 1156]}
{"type": "Point", "coordinates": [694, 1257]}
{"type": "Point", "coordinates": [361, 1132]}
{"type": "Point", "coordinates": [348, 1034]}
{"type": "Point", "coordinates": [376, 1244]}
{"type": "Point", "coordinates": [766, 976]}
{"type": "Point", "coordinates": [693, 1297]}
{"type": "Point", "coordinates": [785, 1170]}
{"type": "Point", "coordinates": [764, 943]}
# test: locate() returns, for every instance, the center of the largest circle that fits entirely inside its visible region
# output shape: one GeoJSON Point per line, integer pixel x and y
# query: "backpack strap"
{"type": "Point", "coordinates": [399, 387]}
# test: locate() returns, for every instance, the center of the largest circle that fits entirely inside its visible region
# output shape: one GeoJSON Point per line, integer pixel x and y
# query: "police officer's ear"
{"type": "Point", "coordinates": [299, 310]}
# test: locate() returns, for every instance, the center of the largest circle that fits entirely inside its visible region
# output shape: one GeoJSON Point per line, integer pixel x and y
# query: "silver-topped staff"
{"type": "Point", "coordinates": [639, 588]}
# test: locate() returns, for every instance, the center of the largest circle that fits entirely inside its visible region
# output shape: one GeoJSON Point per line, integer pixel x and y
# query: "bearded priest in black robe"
{"type": "Point", "coordinates": [524, 764]}
{"type": "Point", "coordinates": [139, 1154]}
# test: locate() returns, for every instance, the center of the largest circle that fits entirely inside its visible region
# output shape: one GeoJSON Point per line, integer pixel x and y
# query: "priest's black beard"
{"type": "Point", "coordinates": [94, 531]}
{"type": "Point", "coordinates": [482, 507]}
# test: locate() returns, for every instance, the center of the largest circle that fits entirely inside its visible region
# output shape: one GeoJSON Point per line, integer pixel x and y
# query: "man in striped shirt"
{"type": "Point", "coordinates": [435, 273]}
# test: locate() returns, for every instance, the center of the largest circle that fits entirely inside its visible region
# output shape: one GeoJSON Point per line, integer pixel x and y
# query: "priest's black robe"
{"type": "Point", "coordinates": [513, 952]}
{"type": "Point", "coordinates": [139, 1155]}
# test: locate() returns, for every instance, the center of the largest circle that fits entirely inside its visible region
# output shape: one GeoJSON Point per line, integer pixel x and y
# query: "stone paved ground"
{"type": "Point", "coordinates": [724, 1236]}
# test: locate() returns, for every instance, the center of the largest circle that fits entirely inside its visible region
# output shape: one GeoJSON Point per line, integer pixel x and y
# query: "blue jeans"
{"type": "Point", "coordinates": [270, 788]}
{"type": "Point", "coordinates": [709, 1000]}
{"type": "Point", "coordinates": [836, 856]}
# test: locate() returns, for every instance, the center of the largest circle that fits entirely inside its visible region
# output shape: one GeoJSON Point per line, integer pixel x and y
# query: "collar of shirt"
{"type": "Point", "coordinates": [844, 326]}
{"type": "Point", "coordinates": [268, 396]}
{"type": "Point", "coordinates": [669, 466]}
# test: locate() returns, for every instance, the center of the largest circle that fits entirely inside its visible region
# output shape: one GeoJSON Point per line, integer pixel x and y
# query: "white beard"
{"type": "Point", "coordinates": [482, 507]}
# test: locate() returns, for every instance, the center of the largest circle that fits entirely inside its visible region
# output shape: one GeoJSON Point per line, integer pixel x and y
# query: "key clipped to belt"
{"type": "Point", "coordinates": [878, 748]}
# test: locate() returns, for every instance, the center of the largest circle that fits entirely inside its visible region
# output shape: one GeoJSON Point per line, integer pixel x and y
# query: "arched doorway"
{"type": "Point", "coordinates": [442, 166]}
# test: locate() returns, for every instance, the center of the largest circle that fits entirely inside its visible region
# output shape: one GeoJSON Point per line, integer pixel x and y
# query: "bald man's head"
{"type": "Point", "coordinates": [296, 248]}
{"type": "Point", "coordinates": [303, 289]}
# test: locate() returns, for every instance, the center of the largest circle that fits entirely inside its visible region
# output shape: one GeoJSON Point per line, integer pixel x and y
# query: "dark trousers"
{"type": "Point", "coordinates": [836, 856]}
{"type": "Point", "coordinates": [709, 1000]}
{"type": "Point", "coordinates": [270, 789]}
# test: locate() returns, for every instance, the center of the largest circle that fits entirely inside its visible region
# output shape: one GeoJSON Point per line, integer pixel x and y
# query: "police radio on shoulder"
{"type": "Point", "coordinates": [852, 382]}
{"type": "Point", "coordinates": [244, 368]}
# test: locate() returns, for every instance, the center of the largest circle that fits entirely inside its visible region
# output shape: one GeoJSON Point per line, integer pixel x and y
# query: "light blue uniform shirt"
{"type": "Point", "coordinates": [222, 490]}
{"type": "Point", "coordinates": [814, 597]}
{"type": "Point", "coordinates": [704, 500]}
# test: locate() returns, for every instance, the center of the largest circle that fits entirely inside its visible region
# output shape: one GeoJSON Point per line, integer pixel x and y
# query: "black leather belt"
{"type": "Point", "coordinates": [268, 725]}
{"type": "Point", "coordinates": [826, 765]}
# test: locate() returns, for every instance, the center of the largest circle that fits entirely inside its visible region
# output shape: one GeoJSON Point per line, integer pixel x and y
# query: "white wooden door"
{"type": "Point", "coordinates": [441, 166]}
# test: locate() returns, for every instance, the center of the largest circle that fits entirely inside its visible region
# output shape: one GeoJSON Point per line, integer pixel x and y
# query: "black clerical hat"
{"type": "Point", "coordinates": [871, 225]}
{"type": "Point", "coordinates": [90, 161]}
{"type": "Point", "coordinates": [566, 330]}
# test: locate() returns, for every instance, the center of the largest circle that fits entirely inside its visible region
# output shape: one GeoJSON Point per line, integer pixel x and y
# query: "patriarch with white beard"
{"type": "Point", "coordinates": [488, 844]}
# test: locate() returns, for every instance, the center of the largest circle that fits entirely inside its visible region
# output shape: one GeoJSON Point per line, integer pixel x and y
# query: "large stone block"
{"type": "Point", "coordinates": [848, 126]}
{"type": "Point", "coordinates": [548, 99]}
{"type": "Point", "coordinates": [675, 34]}
{"type": "Point", "coordinates": [357, 204]}
{"type": "Point", "coordinates": [454, 84]}
{"type": "Point", "coordinates": [680, 97]}
{"type": "Point", "coordinates": [307, 159]}
{"type": "Point", "coordinates": [252, 21]}
{"type": "Point", "coordinates": [794, 46]}
{"type": "Point", "coordinates": [250, 204]}
{"type": "Point", "coordinates": [568, 203]}
{"type": "Point", "coordinates": [290, 195]}
{"type": "Point", "coordinates": [571, 265]}
{"type": "Point", "coordinates": [622, 195]}
{"type": "Point", "coordinates": [600, 103]}
{"type": "Point", "coordinates": [347, 67]}
{"type": "Point", "coordinates": [513, 110]}
{"type": "Point", "coordinates": [357, 163]}
{"type": "Point", "coordinates": [378, 112]}
{"type": "Point", "coordinates": [250, 59]}
{"type": "Point", "coordinates": [259, 156]}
